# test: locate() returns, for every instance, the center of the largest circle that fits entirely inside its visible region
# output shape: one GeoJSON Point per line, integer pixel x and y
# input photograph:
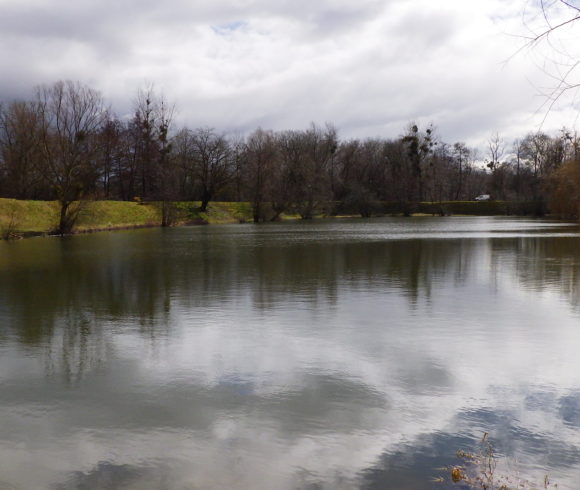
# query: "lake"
{"type": "Point", "coordinates": [332, 354]}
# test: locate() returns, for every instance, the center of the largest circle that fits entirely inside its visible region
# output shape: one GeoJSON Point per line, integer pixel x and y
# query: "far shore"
{"type": "Point", "coordinates": [27, 218]}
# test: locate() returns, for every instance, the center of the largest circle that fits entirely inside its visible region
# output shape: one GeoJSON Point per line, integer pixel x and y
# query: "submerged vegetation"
{"type": "Point", "coordinates": [479, 470]}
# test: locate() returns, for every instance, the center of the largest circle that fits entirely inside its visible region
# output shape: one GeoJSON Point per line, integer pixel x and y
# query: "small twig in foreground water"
{"type": "Point", "coordinates": [478, 471]}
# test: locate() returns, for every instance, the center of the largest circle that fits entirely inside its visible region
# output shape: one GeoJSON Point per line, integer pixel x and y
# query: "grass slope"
{"type": "Point", "coordinates": [24, 218]}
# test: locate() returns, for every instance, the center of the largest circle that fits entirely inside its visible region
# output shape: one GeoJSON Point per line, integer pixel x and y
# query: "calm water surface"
{"type": "Point", "coordinates": [330, 354]}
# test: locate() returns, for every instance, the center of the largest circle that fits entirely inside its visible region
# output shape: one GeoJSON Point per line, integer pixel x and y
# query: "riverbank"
{"type": "Point", "coordinates": [36, 218]}
{"type": "Point", "coordinates": [20, 219]}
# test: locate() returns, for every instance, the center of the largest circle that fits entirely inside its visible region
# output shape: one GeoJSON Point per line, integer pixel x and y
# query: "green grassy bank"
{"type": "Point", "coordinates": [29, 218]}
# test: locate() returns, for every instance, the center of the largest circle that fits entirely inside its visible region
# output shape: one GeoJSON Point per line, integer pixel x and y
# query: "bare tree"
{"type": "Point", "coordinates": [152, 148]}
{"type": "Point", "coordinates": [551, 32]}
{"type": "Point", "coordinates": [495, 148]}
{"type": "Point", "coordinates": [20, 151]}
{"type": "Point", "coordinates": [113, 162]}
{"type": "Point", "coordinates": [312, 175]}
{"type": "Point", "coordinates": [535, 148]}
{"type": "Point", "coordinates": [461, 157]}
{"type": "Point", "coordinates": [495, 151]}
{"type": "Point", "coordinates": [571, 142]}
{"type": "Point", "coordinates": [182, 149]}
{"type": "Point", "coordinates": [70, 116]}
{"type": "Point", "coordinates": [285, 179]}
{"type": "Point", "coordinates": [150, 125]}
{"type": "Point", "coordinates": [518, 150]}
{"type": "Point", "coordinates": [259, 164]}
{"type": "Point", "coordinates": [419, 145]}
{"type": "Point", "coordinates": [212, 163]}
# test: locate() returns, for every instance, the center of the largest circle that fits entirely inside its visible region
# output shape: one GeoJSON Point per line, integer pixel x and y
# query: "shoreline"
{"type": "Point", "coordinates": [28, 219]}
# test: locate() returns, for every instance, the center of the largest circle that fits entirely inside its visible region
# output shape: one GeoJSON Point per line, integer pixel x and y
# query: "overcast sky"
{"type": "Point", "coordinates": [368, 66]}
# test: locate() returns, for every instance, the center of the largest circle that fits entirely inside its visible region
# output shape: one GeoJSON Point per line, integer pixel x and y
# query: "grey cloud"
{"type": "Point", "coordinates": [421, 33]}
{"type": "Point", "coordinates": [370, 67]}
{"type": "Point", "coordinates": [70, 21]}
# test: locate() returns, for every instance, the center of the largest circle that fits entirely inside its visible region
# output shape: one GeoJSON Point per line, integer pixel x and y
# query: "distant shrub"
{"type": "Point", "coordinates": [565, 192]}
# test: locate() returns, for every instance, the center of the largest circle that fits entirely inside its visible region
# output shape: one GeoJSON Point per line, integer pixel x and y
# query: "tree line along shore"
{"type": "Point", "coordinates": [64, 151]}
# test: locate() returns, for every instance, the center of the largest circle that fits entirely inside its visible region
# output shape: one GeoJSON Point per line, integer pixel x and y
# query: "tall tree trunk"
{"type": "Point", "coordinates": [205, 198]}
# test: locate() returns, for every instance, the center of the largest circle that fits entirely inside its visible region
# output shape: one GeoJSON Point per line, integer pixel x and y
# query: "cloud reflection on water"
{"type": "Point", "coordinates": [232, 356]}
